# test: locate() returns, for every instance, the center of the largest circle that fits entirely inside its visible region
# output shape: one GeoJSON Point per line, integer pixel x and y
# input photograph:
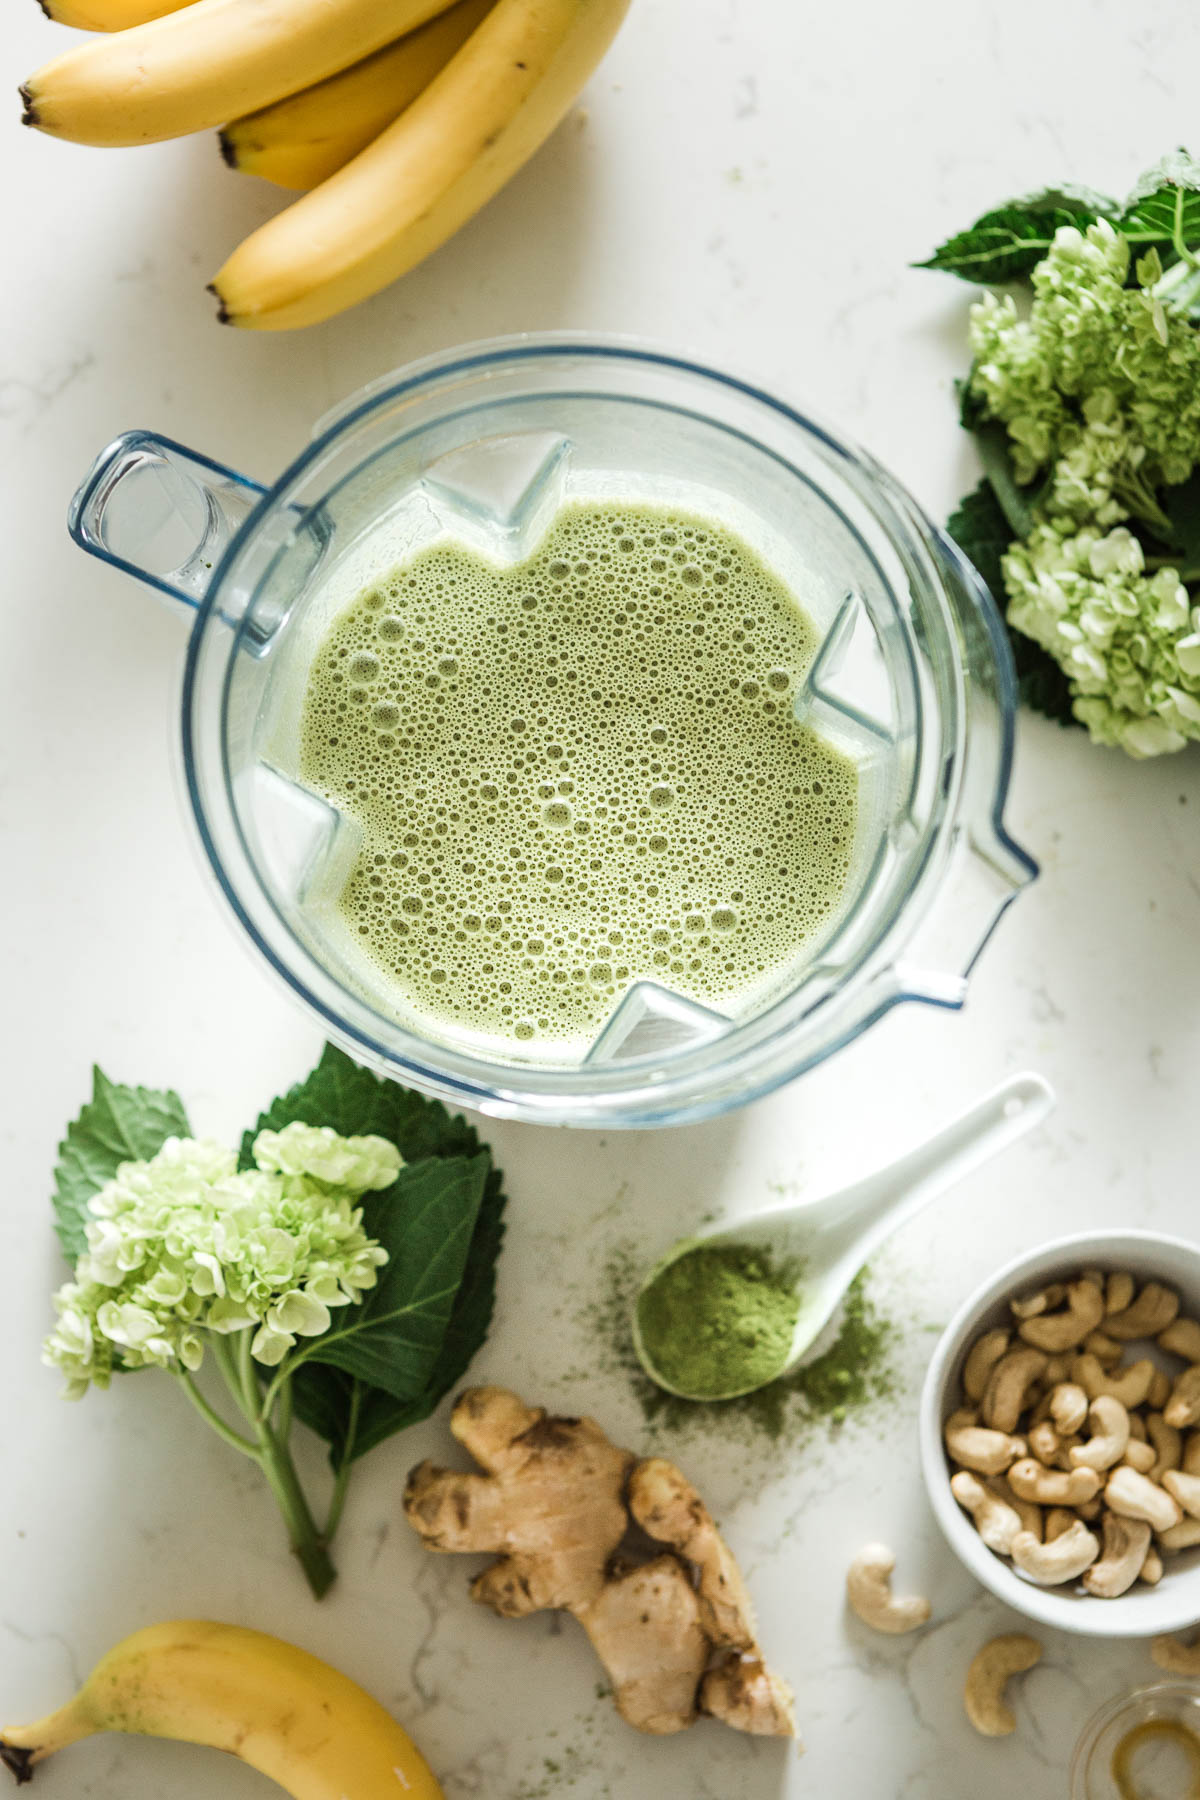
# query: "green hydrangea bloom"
{"type": "Point", "coordinates": [1099, 388]}
{"type": "Point", "coordinates": [186, 1244]}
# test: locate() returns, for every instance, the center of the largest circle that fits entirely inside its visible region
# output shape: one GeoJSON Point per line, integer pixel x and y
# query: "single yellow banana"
{"type": "Point", "coordinates": [291, 1717]}
{"type": "Point", "coordinates": [490, 108]}
{"type": "Point", "coordinates": [211, 61]}
{"type": "Point", "coordinates": [302, 140]}
{"type": "Point", "coordinates": [108, 15]}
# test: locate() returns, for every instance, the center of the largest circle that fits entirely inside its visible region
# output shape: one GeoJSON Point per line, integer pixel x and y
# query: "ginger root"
{"type": "Point", "coordinates": [576, 1524]}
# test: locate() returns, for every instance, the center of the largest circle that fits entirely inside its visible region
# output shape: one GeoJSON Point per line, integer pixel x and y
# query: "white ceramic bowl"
{"type": "Point", "coordinates": [1175, 1603]}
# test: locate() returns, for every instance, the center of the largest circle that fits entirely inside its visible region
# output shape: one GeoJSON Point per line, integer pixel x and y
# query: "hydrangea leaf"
{"type": "Point", "coordinates": [424, 1221]}
{"type": "Point", "coordinates": [1007, 242]}
{"type": "Point", "coordinates": [982, 532]}
{"type": "Point", "coordinates": [352, 1414]}
{"type": "Point", "coordinates": [1164, 206]}
{"type": "Point", "coordinates": [118, 1124]}
{"type": "Point", "coordinates": [1182, 507]}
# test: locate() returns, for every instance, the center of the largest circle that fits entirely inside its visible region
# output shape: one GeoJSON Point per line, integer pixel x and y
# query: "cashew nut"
{"type": "Point", "coordinates": [1059, 1331]}
{"type": "Point", "coordinates": [1140, 1456]}
{"type": "Point", "coordinates": [1176, 1658]}
{"type": "Point", "coordinates": [982, 1357]}
{"type": "Point", "coordinates": [1052, 1487]}
{"type": "Point", "coordinates": [1185, 1489]}
{"type": "Point", "coordinates": [989, 1674]}
{"type": "Point", "coordinates": [1057, 1370]}
{"type": "Point", "coordinates": [1068, 1407]}
{"type": "Point", "coordinates": [1058, 1520]}
{"type": "Point", "coordinates": [1190, 1463]}
{"type": "Point", "coordinates": [1183, 1536]}
{"type": "Point", "coordinates": [1152, 1312]}
{"type": "Point", "coordinates": [1118, 1291]}
{"type": "Point", "coordinates": [1168, 1446]}
{"type": "Point", "coordinates": [996, 1522]}
{"type": "Point", "coordinates": [1004, 1398]}
{"type": "Point", "coordinates": [1110, 1435]}
{"type": "Point", "coordinates": [1182, 1338]}
{"type": "Point", "coordinates": [1030, 1306]}
{"type": "Point", "coordinates": [975, 1447]}
{"type": "Point", "coordinates": [1151, 1571]}
{"type": "Point", "coordinates": [1028, 1511]}
{"type": "Point", "coordinates": [1126, 1543]}
{"type": "Point", "coordinates": [1063, 1559]}
{"type": "Point", "coordinates": [1105, 1349]}
{"type": "Point", "coordinates": [1183, 1408]}
{"type": "Point", "coordinates": [869, 1591]}
{"type": "Point", "coordinates": [1160, 1390]}
{"type": "Point", "coordinates": [1130, 1387]}
{"type": "Point", "coordinates": [1090, 1509]}
{"type": "Point", "coordinates": [1136, 1427]}
{"type": "Point", "coordinates": [1134, 1497]}
{"type": "Point", "coordinates": [1046, 1445]}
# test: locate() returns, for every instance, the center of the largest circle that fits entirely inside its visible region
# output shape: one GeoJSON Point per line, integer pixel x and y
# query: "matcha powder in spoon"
{"type": "Point", "coordinates": [719, 1319]}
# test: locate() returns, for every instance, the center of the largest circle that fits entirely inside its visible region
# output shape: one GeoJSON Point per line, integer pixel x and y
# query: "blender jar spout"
{"type": "Point", "coordinates": [161, 513]}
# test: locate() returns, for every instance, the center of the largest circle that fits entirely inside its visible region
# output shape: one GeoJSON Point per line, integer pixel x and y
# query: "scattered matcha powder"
{"type": "Point", "coordinates": [847, 1380]}
{"type": "Point", "coordinates": [719, 1318]}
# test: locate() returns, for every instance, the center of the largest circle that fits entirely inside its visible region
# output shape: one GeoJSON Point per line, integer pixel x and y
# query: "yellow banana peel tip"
{"type": "Point", "coordinates": [29, 115]}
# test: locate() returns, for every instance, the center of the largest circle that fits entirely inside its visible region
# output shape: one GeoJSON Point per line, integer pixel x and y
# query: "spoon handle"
{"type": "Point", "coordinates": [892, 1197]}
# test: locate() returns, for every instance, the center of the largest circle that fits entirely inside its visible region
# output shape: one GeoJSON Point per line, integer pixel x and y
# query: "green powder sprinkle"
{"type": "Point", "coordinates": [846, 1382]}
{"type": "Point", "coordinates": [719, 1318]}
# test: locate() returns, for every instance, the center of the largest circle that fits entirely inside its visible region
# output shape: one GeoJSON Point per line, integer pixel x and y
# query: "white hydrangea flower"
{"type": "Point", "coordinates": [185, 1243]}
{"type": "Point", "coordinates": [358, 1164]}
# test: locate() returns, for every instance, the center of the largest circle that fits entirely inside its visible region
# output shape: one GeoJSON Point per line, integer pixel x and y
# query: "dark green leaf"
{"type": "Point", "coordinates": [1010, 240]}
{"type": "Point", "coordinates": [424, 1221]}
{"type": "Point", "coordinates": [118, 1124]}
{"type": "Point", "coordinates": [1164, 207]}
{"type": "Point", "coordinates": [1182, 507]}
{"type": "Point", "coordinates": [353, 1101]}
{"type": "Point", "coordinates": [995, 453]}
{"type": "Point", "coordinates": [982, 532]}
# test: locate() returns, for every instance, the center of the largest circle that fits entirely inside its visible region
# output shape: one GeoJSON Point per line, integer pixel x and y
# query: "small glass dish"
{"type": "Point", "coordinates": [1162, 1766]}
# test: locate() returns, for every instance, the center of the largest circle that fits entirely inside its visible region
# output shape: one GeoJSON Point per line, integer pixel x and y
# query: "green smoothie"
{"type": "Point", "coordinates": [578, 772]}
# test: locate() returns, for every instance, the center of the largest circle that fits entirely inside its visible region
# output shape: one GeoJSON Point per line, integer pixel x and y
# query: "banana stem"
{"type": "Point", "coordinates": [22, 1747]}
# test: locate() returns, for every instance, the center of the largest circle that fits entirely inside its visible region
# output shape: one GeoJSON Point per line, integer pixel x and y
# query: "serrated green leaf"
{"type": "Point", "coordinates": [424, 1221]}
{"type": "Point", "coordinates": [982, 532]}
{"type": "Point", "coordinates": [118, 1124]}
{"type": "Point", "coordinates": [1007, 242]}
{"type": "Point", "coordinates": [329, 1399]}
{"type": "Point", "coordinates": [1163, 209]}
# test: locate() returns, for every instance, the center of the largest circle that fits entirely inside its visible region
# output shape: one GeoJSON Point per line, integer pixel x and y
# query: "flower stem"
{"type": "Point", "coordinates": [211, 1417]}
{"type": "Point", "coordinates": [342, 1481]}
{"type": "Point", "coordinates": [310, 1545]}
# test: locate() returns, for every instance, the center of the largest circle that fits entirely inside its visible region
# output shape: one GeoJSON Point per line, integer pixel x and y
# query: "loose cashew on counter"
{"type": "Point", "coordinates": [869, 1592]}
{"type": "Point", "coordinates": [989, 1674]}
{"type": "Point", "coordinates": [1176, 1658]}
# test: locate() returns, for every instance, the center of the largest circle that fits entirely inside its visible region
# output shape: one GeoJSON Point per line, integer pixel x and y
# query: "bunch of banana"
{"type": "Point", "coordinates": [401, 118]}
{"type": "Point", "coordinates": [291, 1717]}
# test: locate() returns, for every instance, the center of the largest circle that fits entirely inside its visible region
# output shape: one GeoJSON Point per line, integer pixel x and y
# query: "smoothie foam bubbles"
{"type": "Point", "coordinates": [578, 771]}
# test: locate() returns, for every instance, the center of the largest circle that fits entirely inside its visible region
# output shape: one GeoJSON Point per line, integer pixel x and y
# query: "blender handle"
{"type": "Point", "coordinates": [161, 513]}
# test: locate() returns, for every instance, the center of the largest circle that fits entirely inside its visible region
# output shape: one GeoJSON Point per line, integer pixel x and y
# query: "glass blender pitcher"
{"type": "Point", "coordinates": [913, 680]}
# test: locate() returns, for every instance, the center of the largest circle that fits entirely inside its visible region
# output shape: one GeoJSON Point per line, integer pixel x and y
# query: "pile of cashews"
{"type": "Point", "coordinates": [1059, 1435]}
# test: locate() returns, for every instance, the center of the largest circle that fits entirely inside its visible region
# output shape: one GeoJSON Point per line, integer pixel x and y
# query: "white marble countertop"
{"type": "Point", "coordinates": [749, 181]}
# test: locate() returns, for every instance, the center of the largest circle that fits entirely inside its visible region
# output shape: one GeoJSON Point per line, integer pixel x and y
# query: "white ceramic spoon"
{"type": "Point", "coordinates": [831, 1237]}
